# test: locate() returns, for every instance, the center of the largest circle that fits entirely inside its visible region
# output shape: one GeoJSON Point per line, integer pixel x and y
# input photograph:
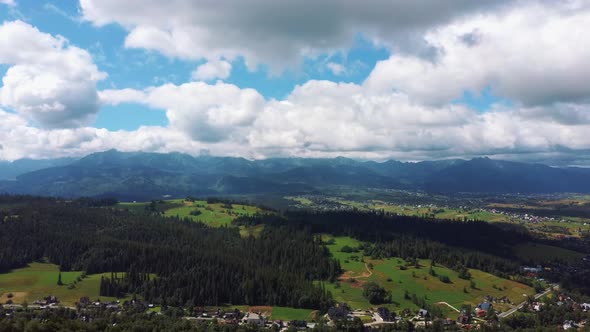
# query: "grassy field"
{"type": "Point", "coordinates": [39, 280]}
{"type": "Point", "coordinates": [287, 314]}
{"type": "Point", "coordinates": [418, 281]}
{"type": "Point", "coordinates": [214, 215]}
{"type": "Point", "coordinates": [300, 199]}
{"type": "Point", "coordinates": [415, 281]}
{"type": "Point", "coordinates": [347, 260]}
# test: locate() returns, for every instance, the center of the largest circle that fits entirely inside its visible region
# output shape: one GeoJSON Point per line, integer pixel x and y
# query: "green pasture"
{"type": "Point", "coordinates": [413, 280]}
{"type": "Point", "coordinates": [39, 280]}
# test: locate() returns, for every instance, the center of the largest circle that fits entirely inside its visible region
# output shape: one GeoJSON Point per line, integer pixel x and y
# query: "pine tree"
{"type": "Point", "coordinates": [59, 282]}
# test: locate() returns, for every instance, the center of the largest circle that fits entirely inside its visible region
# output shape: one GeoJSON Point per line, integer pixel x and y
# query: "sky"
{"type": "Point", "coordinates": [376, 79]}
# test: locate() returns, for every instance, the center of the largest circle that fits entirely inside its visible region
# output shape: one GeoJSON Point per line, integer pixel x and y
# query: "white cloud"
{"type": "Point", "coordinates": [336, 68]}
{"type": "Point", "coordinates": [275, 33]}
{"type": "Point", "coordinates": [116, 97]}
{"type": "Point", "coordinates": [211, 70]}
{"type": "Point", "coordinates": [327, 119]}
{"type": "Point", "coordinates": [49, 82]}
{"type": "Point", "coordinates": [318, 119]}
{"type": "Point", "coordinates": [207, 113]}
{"type": "Point", "coordinates": [8, 2]}
{"type": "Point", "coordinates": [530, 54]}
{"type": "Point", "coordinates": [48, 98]}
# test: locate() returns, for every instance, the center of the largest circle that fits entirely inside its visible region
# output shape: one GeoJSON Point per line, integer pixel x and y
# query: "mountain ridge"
{"type": "Point", "coordinates": [145, 175]}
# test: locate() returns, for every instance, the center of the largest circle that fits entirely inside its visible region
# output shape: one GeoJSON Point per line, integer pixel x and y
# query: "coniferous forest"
{"type": "Point", "coordinates": [168, 260]}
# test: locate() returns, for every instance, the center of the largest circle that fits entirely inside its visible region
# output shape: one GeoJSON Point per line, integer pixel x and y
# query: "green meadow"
{"type": "Point", "coordinates": [213, 215]}
{"type": "Point", "coordinates": [387, 273]}
{"type": "Point", "coordinates": [39, 280]}
{"type": "Point", "coordinates": [287, 314]}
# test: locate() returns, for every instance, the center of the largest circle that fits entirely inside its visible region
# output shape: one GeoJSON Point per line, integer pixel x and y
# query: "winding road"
{"type": "Point", "coordinates": [537, 296]}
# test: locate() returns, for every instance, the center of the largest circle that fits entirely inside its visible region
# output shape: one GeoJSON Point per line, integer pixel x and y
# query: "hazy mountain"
{"type": "Point", "coordinates": [140, 175]}
{"type": "Point", "coordinates": [497, 176]}
{"type": "Point", "coordinates": [10, 170]}
{"type": "Point", "coordinates": [411, 174]}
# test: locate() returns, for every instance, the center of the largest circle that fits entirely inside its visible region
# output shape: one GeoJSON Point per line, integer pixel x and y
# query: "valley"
{"type": "Point", "coordinates": [419, 277]}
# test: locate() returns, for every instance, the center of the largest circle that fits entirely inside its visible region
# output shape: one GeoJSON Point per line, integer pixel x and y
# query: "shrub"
{"type": "Point", "coordinates": [444, 279]}
{"type": "Point", "coordinates": [348, 249]}
{"type": "Point", "coordinates": [464, 274]}
{"type": "Point", "coordinates": [375, 293]}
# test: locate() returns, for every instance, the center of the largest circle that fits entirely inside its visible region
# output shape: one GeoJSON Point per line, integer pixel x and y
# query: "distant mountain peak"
{"type": "Point", "coordinates": [145, 175]}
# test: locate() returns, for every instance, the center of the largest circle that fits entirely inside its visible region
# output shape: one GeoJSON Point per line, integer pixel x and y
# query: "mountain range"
{"type": "Point", "coordinates": [142, 175]}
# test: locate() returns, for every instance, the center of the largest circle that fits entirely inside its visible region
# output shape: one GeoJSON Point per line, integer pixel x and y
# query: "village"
{"type": "Point", "coordinates": [466, 318]}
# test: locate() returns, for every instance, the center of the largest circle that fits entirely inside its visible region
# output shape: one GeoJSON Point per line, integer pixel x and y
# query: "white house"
{"type": "Point", "coordinates": [253, 319]}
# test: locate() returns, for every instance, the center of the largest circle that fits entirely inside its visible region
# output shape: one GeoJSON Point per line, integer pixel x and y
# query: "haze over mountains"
{"type": "Point", "coordinates": [140, 175]}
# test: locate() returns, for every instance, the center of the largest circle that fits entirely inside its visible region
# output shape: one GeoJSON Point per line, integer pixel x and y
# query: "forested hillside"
{"type": "Point", "coordinates": [456, 244]}
{"type": "Point", "coordinates": [167, 260]}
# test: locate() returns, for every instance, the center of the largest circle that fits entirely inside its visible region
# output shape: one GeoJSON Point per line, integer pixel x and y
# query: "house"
{"type": "Point", "coordinates": [423, 313]}
{"type": "Point", "coordinates": [252, 318]}
{"type": "Point", "coordinates": [531, 269]}
{"type": "Point", "coordinates": [298, 324]}
{"type": "Point", "coordinates": [51, 299]}
{"type": "Point", "coordinates": [482, 309]}
{"type": "Point", "coordinates": [569, 324]}
{"type": "Point", "coordinates": [231, 315]}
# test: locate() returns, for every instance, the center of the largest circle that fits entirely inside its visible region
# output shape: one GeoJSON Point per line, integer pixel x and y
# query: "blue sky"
{"type": "Point", "coordinates": [139, 69]}
{"type": "Point", "coordinates": [258, 79]}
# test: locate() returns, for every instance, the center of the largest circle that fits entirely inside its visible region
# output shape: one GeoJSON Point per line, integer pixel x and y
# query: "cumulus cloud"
{"type": "Point", "coordinates": [327, 119]}
{"type": "Point", "coordinates": [273, 32]}
{"type": "Point", "coordinates": [212, 70]}
{"type": "Point", "coordinates": [48, 98]}
{"type": "Point", "coordinates": [50, 82]}
{"type": "Point", "coordinates": [318, 119]}
{"type": "Point", "coordinates": [207, 113]}
{"type": "Point", "coordinates": [529, 54]}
